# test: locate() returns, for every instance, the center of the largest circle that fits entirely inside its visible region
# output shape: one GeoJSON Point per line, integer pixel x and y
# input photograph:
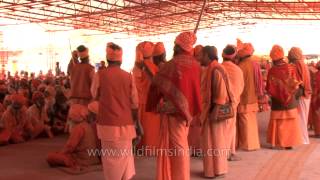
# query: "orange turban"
{"type": "Point", "coordinates": [146, 48]}
{"type": "Point", "coordinates": [94, 107]}
{"type": "Point", "coordinates": [186, 40]}
{"type": "Point", "coordinates": [159, 49]}
{"type": "Point", "coordinates": [197, 50]}
{"type": "Point", "coordinates": [295, 53]}
{"type": "Point", "coordinates": [246, 49]}
{"type": "Point", "coordinates": [276, 53]}
{"type": "Point", "coordinates": [114, 52]}
{"type": "Point", "coordinates": [78, 113]}
{"type": "Point", "coordinates": [18, 98]}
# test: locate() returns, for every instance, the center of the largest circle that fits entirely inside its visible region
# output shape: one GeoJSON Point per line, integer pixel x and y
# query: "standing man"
{"type": "Point", "coordinates": [143, 73]}
{"type": "Point", "coordinates": [295, 56]}
{"type": "Point", "coordinates": [214, 131]}
{"type": "Point", "coordinates": [117, 116]}
{"type": "Point", "coordinates": [248, 107]}
{"type": "Point", "coordinates": [81, 78]}
{"type": "Point", "coordinates": [283, 87]}
{"type": "Point", "coordinates": [235, 75]}
{"type": "Point", "coordinates": [177, 87]}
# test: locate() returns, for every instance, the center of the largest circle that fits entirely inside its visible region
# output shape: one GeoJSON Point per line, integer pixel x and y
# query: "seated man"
{"type": "Point", "coordinates": [82, 139]}
{"type": "Point", "coordinates": [14, 125]}
{"type": "Point", "coordinates": [38, 116]}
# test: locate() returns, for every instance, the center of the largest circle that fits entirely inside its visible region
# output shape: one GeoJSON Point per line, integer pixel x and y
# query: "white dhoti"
{"type": "Point", "coordinates": [303, 110]}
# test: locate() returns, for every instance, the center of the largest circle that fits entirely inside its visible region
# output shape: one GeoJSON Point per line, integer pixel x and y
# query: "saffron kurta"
{"type": "Point", "coordinates": [283, 86]}
{"type": "Point", "coordinates": [150, 120]}
{"type": "Point", "coordinates": [215, 135]}
{"type": "Point", "coordinates": [15, 126]}
{"type": "Point", "coordinates": [177, 87]}
{"type": "Point", "coordinates": [235, 75]}
{"type": "Point", "coordinates": [38, 118]}
{"type": "Point", "coordinates": [248, 108]}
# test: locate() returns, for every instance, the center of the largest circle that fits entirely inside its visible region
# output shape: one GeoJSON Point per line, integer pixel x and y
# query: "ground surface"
{"type": "Point", "coordinates": [27, 162]}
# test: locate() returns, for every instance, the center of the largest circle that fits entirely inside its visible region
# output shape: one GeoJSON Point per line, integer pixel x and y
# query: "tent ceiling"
{"type": "Point", "coordinates": [152, 17]}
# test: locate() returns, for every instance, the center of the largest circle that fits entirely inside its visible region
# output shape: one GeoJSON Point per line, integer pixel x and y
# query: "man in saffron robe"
{"type": "Point", "coordinates": [194, 136]}
{"type": "Point", "coordinates": [295, 56]}
{"type": "Point", "coordinates": [283, 87]}
{"type": "Point", "coordinates": [14, 124]}
{"type": "Point", "coordinates": [248, 107]}
{"type": "Point", "coordinates": [177, 87]}
{"type": "Point", "coordinates": [143, 73]}
{"type": "Point", "coordinates": [315, 103]}
{"type": "Point", "coordinates": [214, 132]}
{"type": "Point", "coordinates": [38, 116]}
{"type": "Point", "coordinates": [117, 116]}
{"type": "Point", "coordinates": [82, 139]}
{"type": "Point", "coordinates": [235, 75]}
{"type": "Point", "coordinates": [81, 77]}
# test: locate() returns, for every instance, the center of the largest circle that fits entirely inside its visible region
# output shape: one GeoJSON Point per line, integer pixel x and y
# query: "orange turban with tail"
{"type": "Point", "coordinates": [246, 49]}
{"type": "Point", "coordinates": [186, 40]}
{"type": "Point", "coordinates": [114, 52]}
{"type": "Point", "coordinates": [159, 49]}
{"type": "Point", "coordinates": [276, 53]}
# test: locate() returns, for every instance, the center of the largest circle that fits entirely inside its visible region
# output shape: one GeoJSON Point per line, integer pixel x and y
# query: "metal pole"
{"type": "Point", "coordinates": [199, 19]}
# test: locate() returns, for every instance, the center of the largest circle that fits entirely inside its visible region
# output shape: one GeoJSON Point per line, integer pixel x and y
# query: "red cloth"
{"type": "Point", "coordinates": [283, 83]}
{"type": "Point", "coordinates": [179, 82]}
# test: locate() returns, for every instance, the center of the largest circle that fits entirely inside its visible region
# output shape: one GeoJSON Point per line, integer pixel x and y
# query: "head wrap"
{"type": "Point", "coordinates": [18, 98]}
{"type": "Point", "coordinates": [114, 52]}
{"type": "Point", "coordinates": [186, 40]}
{"type": "Point", "coordinates": [78, 113]}
{"type": "Point", "coordinates": [94, 107]}
{"type": "Point", "coordinates": [158, 49]}
{"type": "Point", "coordinates": [36, 96]}
{"type": "Point", "coordinates": [197, 50]}
{"type": "Point", "coordinates": [83, 51]}
{"type": "Point", "coordinates": [146, 48]}
{"type": "Point", "coordinates": [276, 53]}
{"type": "Point", "coordinates": [246, 49]}
{"type": "Point", "coordinates": [229, 52]}
{"type": "Point", "coordinates": [295, 53]}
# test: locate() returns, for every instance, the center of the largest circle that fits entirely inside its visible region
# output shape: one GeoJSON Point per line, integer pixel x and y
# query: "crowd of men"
{"type": "Point", "coordinates": [191, 105]}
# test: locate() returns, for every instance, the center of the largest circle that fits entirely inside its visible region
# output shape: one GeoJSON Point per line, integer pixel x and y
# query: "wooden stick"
{"type": "Point", "coordinates": [199, 19]}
